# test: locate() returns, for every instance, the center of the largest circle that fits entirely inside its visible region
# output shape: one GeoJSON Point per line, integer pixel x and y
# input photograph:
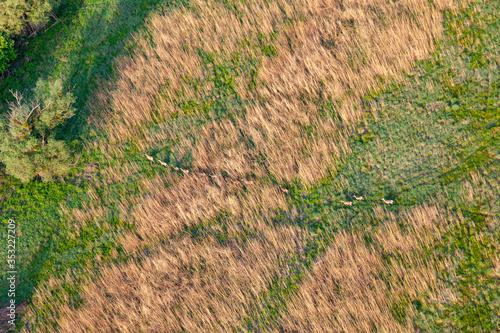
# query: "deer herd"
{"type": "Point", "coordinates": [250, 182]}
{"type": "Point", "coordinates": [349, 203]}
{"type": "Point", "coordinates": [185, 171]}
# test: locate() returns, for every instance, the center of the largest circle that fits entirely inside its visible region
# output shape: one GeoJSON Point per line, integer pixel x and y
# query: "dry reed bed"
{"type": "Point", "coordinates": [186, 285]}
{"type": "Point", "coordinates": [333, 50]}
{"type": "Point", "coordinates": [345, 292]}
{"type": "Point", "coordinates": [193, 199]}
{"type": "Point", "coordinates": [161, 209]}
{"type": "Point", "coordinates": [371, 40]}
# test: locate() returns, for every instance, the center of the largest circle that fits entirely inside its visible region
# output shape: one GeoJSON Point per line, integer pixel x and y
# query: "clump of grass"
{"type": "Point", "coordinates": [78, 48]}
{"type": "Point", "coordinates": [471, 244]}
{"type": "Point", "coordinates": [170, 95]}
{"type": "Point", "coordinates": [450, 108]}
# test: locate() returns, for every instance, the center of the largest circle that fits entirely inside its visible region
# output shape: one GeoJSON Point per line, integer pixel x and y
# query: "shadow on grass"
{"type": "Point", "coordinates": [81, 49]}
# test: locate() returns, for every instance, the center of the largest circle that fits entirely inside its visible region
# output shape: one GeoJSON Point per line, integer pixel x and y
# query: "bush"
{"type": "Point", "coordinates": [15, 15]}
{"type": "Point", "coordinates": [28, 147]}
{"type": "Point", "coordinates": [7, 54]}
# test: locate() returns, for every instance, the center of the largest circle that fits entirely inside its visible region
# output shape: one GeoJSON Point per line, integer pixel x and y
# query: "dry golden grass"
{"type": "Point", "coordinates": [334, 50]}
{"type": "Point", "coordinates": [371, 40]}
{"type": "Point", "coordinates": [355, 286]}
{"type": "Point", "coordinates": [184, 285]}
{"type": "Point", "coordinates": [193, 199]}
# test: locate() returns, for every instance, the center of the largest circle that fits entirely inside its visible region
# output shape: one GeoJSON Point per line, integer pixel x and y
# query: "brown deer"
{"type": "Point", "coordinates": [284, 190]}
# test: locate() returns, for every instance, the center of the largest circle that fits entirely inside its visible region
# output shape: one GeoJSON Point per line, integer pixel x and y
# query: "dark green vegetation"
{"type": "Point", "coordinates": [7, 53]}
{"type": "Point", "coordinates": [78, 49]}
{"type": "Point", "coordinates": [426, 139]}
{"type": "Point", "coordinates": [18, 19]}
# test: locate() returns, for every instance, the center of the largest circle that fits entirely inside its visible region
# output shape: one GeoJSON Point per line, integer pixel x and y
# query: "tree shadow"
{"type": "Point", "coordinates": [111, 29]}
{"type": "Point", "coordinates": [81, 48]}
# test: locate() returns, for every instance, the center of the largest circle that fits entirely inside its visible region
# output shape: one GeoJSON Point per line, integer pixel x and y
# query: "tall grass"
{"type": "Point", "coordinates": [319, 54]}
{"type": "Point", "coordinates": [258, 91]}
{"type": "Point", "coordinates": [187, 283]}
{"type": "Point", "coordinates": [358, 286]}
{"type": "Point", "coordinates": [289, 114]}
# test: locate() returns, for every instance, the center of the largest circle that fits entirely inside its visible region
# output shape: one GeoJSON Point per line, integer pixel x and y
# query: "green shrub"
{"type": "Point", "coordinates": [7, 53]}
{"type": "Point", "coordinates": [28, 147]}
{"type": "Point", "coordinates": [15, 15]}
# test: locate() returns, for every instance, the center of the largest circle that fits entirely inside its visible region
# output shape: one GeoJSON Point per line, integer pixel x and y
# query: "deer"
{"type": "Point", "coordinates": [346, 203]}
{"type": "Point", "coordinates": [163, 163]}
{"type": "Point", "coordinates": [175, 168]}
{"type": "Point", "coordinates": [149, 157]}
{"type": "Point", "coordinates": [284, 190]}
{"type": "Point", "coordinates": [184, 171]}
{"type": "Point", "coordinates": [358, 198]}
{"type": "Point", "coordinates": [389, 202]}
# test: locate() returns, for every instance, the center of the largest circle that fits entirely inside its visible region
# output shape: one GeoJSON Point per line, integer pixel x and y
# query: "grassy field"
{"type": "Point", "coordinates": [432, 147]}
{"type": "Point", "coordinates": [80, 49]}
{"type": "Point", "coordinates": [279, 114]}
